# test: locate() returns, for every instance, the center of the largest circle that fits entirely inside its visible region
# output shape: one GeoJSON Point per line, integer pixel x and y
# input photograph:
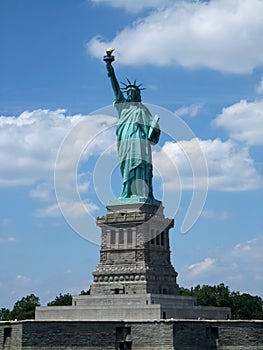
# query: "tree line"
{"type": "Point", "coordinates": [24, 309]}
{"type": "Point", "coordinates": [243, 306]}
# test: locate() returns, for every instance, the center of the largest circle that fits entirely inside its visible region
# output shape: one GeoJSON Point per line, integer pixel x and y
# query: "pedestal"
{"type": "Point", "coordinates": [134, 279]}
{"type": "Point", "coordinates": [135, 252]}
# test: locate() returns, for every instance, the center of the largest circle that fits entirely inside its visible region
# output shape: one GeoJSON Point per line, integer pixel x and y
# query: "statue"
{"type": "Point", "coordinates": [136, 131]}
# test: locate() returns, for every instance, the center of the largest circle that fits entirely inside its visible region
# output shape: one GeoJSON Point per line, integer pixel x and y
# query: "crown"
{"type": "Point", "coordinates": [132, 85]}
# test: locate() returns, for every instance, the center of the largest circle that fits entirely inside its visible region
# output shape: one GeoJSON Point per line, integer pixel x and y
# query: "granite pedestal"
{"type": "Point", "coordinates": [134, 279]}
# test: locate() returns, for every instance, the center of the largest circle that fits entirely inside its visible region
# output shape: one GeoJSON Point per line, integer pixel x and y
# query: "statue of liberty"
{"type": "Point", "coordinates": [136, 131]}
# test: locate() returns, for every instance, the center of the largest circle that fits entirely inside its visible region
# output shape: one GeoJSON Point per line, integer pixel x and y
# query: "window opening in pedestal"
{"type": "Point", "coordinates": [121, 236]}
{"type": "Point", "coordinates": [112, 237]}
{"type": "Point", "coordinates": [162, 238]}
{"type": "Point", "coordinates": [129, 236]}
{"type": "Point", "coordinates": [158, 239]}
{"type": "Point", "coordinates": [152, 236]}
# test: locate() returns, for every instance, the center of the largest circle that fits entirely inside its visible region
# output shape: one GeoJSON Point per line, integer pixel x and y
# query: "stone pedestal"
{"type": "Point", "coordinates": [135, 252]}
{"type": "Point", "coordinates": [134, 279]}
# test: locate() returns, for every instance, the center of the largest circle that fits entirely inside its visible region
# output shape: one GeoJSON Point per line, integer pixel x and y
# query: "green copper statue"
{"type": "Point", "coordinates": [136, 131]}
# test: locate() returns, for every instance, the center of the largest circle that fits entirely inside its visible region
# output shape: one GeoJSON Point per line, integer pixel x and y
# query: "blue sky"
{"type": "Point", "coordinates": [201, 63]}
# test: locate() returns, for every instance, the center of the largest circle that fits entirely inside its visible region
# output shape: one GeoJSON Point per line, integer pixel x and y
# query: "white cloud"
{"type": "Point", "coordinates": [259, 88]}
{"type": "Point", "coordinates": [5, 222]}
{"type": "Point", "coordinates": [211, 214]}
{"type": "Point", "coordinates": [239, 267]}
{"type": "Point", "coordinates": [22, 285]}
{"type": "Point", "coordinates": [29, 144]}
{"type": "Point", "coordinates": [79, 209]}
{"type": "Point", "coordinates": [71, 209]}
{"type": "Point", "coordinates": [225, 35]}
{"type": "Point", "coordinates": [191, 110]}
{"type": "Point", "coordinates": [243, 121]}
{"type": "Point", "coordinates": [83, 183]}
{"type": "Point", "coordinates": [9, 239]}
{"type": "Point", "coordinates": [23, 279]}
{"type": "Point", "coordinates": [43, 191]}
{"type": "Point", "coordinates": [230, 166]}
{"type": "Point", "coordinates": [201, 267]}
{"type": "Point", "coordinates": [133, 6]}
{"type": "Point", "coordinates": [50, 211]}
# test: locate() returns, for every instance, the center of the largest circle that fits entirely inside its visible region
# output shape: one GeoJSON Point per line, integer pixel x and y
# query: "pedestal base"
{"type": "Point", "coordinates": [135, 200]}
{"type": "Point", "coordinates": [140, 307]}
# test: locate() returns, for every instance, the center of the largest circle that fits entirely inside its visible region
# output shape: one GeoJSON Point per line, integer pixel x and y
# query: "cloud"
{"type": "Point", "coordinates": [29, 144]}
{"type": "Point", "coordinates": [243, 121]}
{"type": "Point", "coordinates": [43, 191]}
{"type": "Point", "coordinates": [201, 267]}
{"type": "Point", "coordinates": [224, 35]}
{"type": "Point", "coordinates": [232, 266]}
{"type": "Point", "coordinates": [71, 209]}
{"type": "Point", "coordinates": [23, 279]}
{"type": "Point", "coordinates": [230, 166]}
{"type": "Point", "coordinates": [83, 184]}
{"type": "Point", "coordinates": [50, 211]}
{"type": "Point", "coordinates": [5, 222]}
{"type": "Point", "coordinates": [191, 110]}
{"type": "Point", "coordinates": [20, 285]}
{"type": "Point", "coordinates": [7, 239]}
{"type": "Point", "coordinates": [211, 214]}
{"type": "Point", "coordinates": [79, 209]}
{"type": "Point", "coordinates": [259, 88]}
{"type": "Point", "coordinates": [133, 6]}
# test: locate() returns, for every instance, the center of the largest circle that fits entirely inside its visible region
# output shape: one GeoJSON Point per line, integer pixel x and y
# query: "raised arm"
{"type": "Point", "coordinates": [114, 82]}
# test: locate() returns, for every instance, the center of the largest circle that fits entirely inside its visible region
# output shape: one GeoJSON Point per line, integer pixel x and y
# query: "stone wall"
{"type": "Point", "coordinates": [226, 335]}
{"type": "Point", "coordinates": [11, 335]}
{"type": "Point", "coordinates": [134, 307]}
{"type": "Point", "coordinates": [147, 335]}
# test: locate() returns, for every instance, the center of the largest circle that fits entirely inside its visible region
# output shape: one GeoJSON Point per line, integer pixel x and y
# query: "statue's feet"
{"type": "Point", "coordinates": [135, 200]}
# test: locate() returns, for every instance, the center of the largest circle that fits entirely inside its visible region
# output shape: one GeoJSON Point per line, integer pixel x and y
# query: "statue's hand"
{"type": "Point", "coordinates": [154, 130]}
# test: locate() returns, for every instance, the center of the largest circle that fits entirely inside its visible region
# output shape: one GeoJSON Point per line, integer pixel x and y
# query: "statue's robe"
{"type": "Point", "coordinates": [135, 134]}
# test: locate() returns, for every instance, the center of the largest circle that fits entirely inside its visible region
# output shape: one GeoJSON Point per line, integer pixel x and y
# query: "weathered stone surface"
{"type": "Point", "coordinates": [146, 335]}
{"type": "Point", "coordinates": [131, 307]}
{"type": "Point", "coordinates": [135, 252]}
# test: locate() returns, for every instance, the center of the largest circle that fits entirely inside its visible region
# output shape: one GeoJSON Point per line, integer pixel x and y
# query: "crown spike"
{"type": "Point", "coordinates": [130, 85]}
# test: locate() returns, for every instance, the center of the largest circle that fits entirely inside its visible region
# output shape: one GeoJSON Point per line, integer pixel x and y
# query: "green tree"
{"type": "Point", "coordinates": [25, 308]}
{"type": "Point", "coordinates": [61, 300]}
{"type": "Point", "coordinates": [5, 314]}
{"type": "Point", "coordinates": [243, 306]}
{"type": "Point", "coordinates": [85, 292]}
{"type": "Point", "coordinates": [209, 295]}
{"type": "Point", "coordinates": [246, 306]}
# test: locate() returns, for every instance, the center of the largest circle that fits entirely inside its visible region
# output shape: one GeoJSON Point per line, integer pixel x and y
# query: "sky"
{"type": "Point", "coordinates": [201, 63]}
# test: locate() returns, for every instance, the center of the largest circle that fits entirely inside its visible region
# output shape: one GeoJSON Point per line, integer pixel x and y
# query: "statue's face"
{"type": "Point", "coordinates": [133, 95]}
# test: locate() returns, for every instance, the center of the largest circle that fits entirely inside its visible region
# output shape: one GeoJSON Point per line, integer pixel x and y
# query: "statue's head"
{"type": "Point", "coordinates": [133, 94]}
{"type": "Point", "coordinates": [133, 91]}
